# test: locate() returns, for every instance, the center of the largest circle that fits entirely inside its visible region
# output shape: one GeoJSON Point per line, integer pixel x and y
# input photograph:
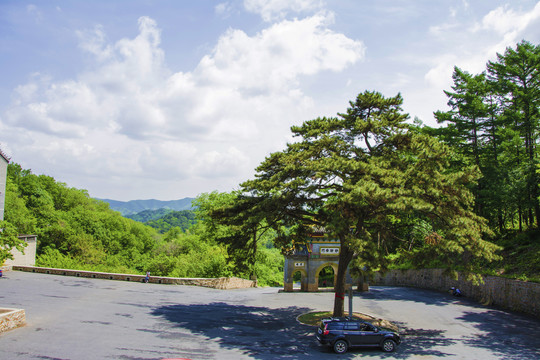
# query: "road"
{"type": "Point", "coordinates": [76, 318]}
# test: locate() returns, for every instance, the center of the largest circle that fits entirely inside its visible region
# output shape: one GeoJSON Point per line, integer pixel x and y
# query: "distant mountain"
{"type": "Point", "coordinates": [147, 215]}
{"type": "Point", "coordinates": [136, 206]}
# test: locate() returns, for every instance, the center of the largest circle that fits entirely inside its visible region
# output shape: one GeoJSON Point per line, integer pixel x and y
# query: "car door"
{"type": "Point", "coordinates": [352, 332]}
{"type": "Point", "coordinates": [370, 336]}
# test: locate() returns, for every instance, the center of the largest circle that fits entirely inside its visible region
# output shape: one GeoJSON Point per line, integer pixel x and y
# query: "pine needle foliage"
{"type": "Point", "coordinates": [369, 179]}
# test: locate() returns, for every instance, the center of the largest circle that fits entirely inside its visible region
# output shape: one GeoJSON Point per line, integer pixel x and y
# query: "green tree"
{"type": "Point", "coordinates": [170, 219]}
{"type": "Point", "coordinates": [9, 241]}
{"type": "Point", "coordinates": [237, 221]}
{"type": "Point", "coordinates": [362, 176]}
{"type": "Point", "coordinates": [516, 76]}
{"type": "Point", "coordinates": [17, 213]}
{"type": "Point", "coordinates": [468, 113]}
{"type": "Point", "coordinates": [73, 228]}
{"type": "Point", "coordinates": [472, 127]}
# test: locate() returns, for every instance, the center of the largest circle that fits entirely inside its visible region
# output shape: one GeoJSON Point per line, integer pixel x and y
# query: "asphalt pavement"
{"type": "Point", "coordinates": [78, 319]}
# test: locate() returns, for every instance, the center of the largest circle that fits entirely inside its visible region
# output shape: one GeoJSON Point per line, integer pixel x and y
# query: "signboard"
{"type": "Point", "coordinates": [330, 250]}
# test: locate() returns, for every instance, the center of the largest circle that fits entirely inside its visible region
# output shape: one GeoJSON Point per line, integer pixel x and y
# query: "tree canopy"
{"type": "Point", "coordinates": [240, 224]}
{"type": "Point", "coordinates": [372, 182]}
{"type": "Point", "coordinates": [493, 123]}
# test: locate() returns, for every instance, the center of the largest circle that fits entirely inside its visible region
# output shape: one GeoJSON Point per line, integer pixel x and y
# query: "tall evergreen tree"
{"type": "Point", "coordinates": [468, 112]}
{"type": "Point", "coordinates": [363, 176]}
{"type": "Point", "coordinates": [516, 74]}
{"type": "Point", "coordinates": [471, 128]}
{"type": "Point", "coordinates": [493, 122]}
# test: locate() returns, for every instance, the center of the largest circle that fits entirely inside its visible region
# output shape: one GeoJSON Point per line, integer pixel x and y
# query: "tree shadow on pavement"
{"type": "Point", "coordinates": [265, 333]}
{"type": "Point", "coordinates": [421, 342]}
{"type": "Point", "coordinates": [512, 335]}
{"type": "Point", "coordinates": [425, 296]}
{"type": "Point", "coordinates": [261, 332]}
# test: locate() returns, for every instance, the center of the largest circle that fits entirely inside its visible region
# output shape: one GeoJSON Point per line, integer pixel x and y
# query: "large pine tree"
{"type": "Point", "coordinates": [367, 178]}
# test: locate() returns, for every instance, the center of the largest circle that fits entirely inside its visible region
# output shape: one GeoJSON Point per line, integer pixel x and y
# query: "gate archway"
{"type": "Point", "coordinates": [318, 253]}
{"type": "Point", "coordinates": [326, 275]}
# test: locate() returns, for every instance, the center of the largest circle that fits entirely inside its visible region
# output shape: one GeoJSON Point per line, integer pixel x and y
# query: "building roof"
{"type": "Point", "coordinates": [317, 231]}
{"type": "Point", "coordinates": [4, 156]}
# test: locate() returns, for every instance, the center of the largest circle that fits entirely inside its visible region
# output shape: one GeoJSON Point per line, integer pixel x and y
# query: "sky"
{"type": "Point", "coordinates": [167, 99]}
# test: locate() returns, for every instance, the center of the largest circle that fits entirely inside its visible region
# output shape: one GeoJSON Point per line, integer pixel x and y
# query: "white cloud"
{"type": "Point", "coordinates": [274, 58]}
{"type": "Point", "coordinates": [509, 24]}
{"type": "Point", "coordinates": [200, 110]}
{"type": "Point", "coordinates": [506, 20]}
{"type": "Point", "coordinates": [94, 42]}
{"type": "Point", "coordinates": [130, 116]}
{"type": "Point", "coordinates": [440, 75]}
{"type": "Point", "coordinates": [223, 9]}
{"type": "Point", "coordinates": [498, 29]}
{"type": "Point", "coordinates": [271, 10]}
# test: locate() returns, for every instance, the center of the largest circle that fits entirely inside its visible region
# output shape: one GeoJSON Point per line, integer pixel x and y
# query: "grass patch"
{"type": "Point", "coordinates": [315, 317]}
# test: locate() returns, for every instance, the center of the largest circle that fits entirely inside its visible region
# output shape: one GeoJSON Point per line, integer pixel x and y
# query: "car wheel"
{"type": "Point", "coordinates": [389, 345]}
{"type": "Point", "coordinates": [341, 346]}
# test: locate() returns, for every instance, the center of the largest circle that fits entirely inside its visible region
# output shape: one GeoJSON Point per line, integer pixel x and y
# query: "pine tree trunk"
{"type": "Point", "coordinates": [254, 251]}
{"type": "Point", "coordinates": [536, 204]}
{"type": "Point", "coordinates": [345, 257]}
{"type": "Point", "coordinates": [520, 219]}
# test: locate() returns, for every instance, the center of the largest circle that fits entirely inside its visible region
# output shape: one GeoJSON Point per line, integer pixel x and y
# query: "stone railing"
{"type": "Point", "coordinates": [11, 319]}
{"type": "Point", "coordinates": [216, 283]}
{"type": "Point", "coordinates": [509, 294]}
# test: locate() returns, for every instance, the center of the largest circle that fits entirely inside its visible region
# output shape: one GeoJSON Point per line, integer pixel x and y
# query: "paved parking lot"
{"type": "Point", "coordinates": [75, 318]}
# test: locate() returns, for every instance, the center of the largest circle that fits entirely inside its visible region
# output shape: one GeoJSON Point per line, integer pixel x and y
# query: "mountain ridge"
{"type": "Point", "coordinates": [136, 206]}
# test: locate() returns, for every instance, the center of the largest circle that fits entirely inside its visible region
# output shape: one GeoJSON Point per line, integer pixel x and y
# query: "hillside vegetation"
{"type": "Point", "coordinates": [164, 220]}
{"type": "Point", "coordinates": [78, 232]}
{"type": "Point", "coordinates": [520, 256]}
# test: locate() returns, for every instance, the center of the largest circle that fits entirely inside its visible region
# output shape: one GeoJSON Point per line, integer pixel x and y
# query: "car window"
{"type": "Point", "coordinates": [352, 326]}
{"type": "Point", "coordinates": [335, 326]}
{"type": "Point", "coordinates": [366, 327]}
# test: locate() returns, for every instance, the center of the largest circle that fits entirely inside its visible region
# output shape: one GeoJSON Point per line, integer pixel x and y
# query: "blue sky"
{"type": "Point", "coordinates": [168, 99]}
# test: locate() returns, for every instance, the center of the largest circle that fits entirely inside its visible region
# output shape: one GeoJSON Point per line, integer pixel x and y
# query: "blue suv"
{"type": "Point", "coordinates": [344, 333]}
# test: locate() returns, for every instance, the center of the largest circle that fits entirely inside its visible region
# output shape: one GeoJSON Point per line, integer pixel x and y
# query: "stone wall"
{"type": "Point", "coordinates": [11, 319]}
{"type": "Point", "coordinates": [223, 283]}
{"type": "Point", "coordinates": [26, 258]}
{"type": "Point", "coordinates": [509, 294]}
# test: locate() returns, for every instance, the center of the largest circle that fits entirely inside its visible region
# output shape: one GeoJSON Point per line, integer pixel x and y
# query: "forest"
{"type": "Point", "coordinates": [78, 232]}
{"type": "Point", "coordinates": [462, 195]}
{"type": "Point", "coordinates": [493, 123]}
